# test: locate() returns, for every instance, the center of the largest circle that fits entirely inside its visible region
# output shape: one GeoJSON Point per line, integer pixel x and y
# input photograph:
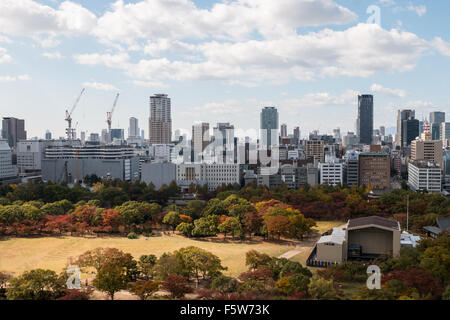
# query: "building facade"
{"type": "Point", "coordinates": [375, 170]}
{"type": "Point", "coordinates": [425, 176]}
{"type": "Point", "coordinates": [269, 127]}
{"type": "Point", "coordinates": [364, 123]}
{"type": "Point", "coordinates": [160, 122]}
{"type": "Point", "coordinates": [7, 169]}
{"type": "Point", "coordinates": [13, 130]}
{"type": "Point", "coordinates": [213, 175]}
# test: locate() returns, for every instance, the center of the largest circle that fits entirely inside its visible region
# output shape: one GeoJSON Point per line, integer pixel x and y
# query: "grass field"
{"type": "Point", "coordinates": [21, 254]}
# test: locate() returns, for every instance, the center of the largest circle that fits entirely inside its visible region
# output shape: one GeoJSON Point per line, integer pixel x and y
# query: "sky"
{"type": "Point", "coordinates": [222, 61]}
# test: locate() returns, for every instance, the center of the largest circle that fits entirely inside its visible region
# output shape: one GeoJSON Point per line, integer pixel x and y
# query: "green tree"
{"type": "Point", "coordinates": [172, 218]}
{"type": "Point", "coordinates": [231, 225]}
{"type": "Point", "coordinates": [321, 289]}
{"type": "Point", "coordinates": [38, 284]}
{"type": "Point", "coordinates": [185, 229]}
{"type": "Point", "coordinates": [110, 279]}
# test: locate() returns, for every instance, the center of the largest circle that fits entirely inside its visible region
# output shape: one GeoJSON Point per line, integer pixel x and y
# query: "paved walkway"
{"type": "Point", "coordinates": [290, 254]}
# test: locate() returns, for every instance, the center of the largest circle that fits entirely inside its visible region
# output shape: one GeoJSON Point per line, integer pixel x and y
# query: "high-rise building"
{"type": "Point", "coordinates": [351, 168]}
{"type": "Point", "coordinates": [283, 130]}
{"type": "Point", "coordinates": [407, 128]}
{"type": "Point", "coordinates": [224, 148]}
{"type": "Point", "coordinates": [430, 150]}
{"type": "Point", "coordinates": [332, 172]}
{"type": "Point", "coordinates": [160, 122]}
{"type": "Point", "coordinates": [364, 123]}
{"type": "Point", "coordinates": [117, 134]}
{"type": "Point", "coordinates": [445, 132]}
{"type": "Point", "coordinates": [13, 130]}
{"type": "Point", "coordinates": [375, 170]}
{"type": "Point", "coordinates": [48, 135]}
{"type": "Point", "coordinates": [133, 130]}
{"type": "Point", "coordinates": [296, 135]}
{"type": "Point", "coordinates": [436, 118]}
{"type": "Point", "coordinates": [200, 140]}
{"type": "Point", "coordinates": [382, 130]}
{"type": "Point", "coordinates": [269, 127]}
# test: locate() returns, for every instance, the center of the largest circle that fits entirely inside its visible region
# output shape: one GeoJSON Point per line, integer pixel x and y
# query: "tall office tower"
{"type": "Point", "coordinates": [83, 136]}
{"type": "Point", "coordinates": [407, 128]}
{"type": "Point", "coordinates": [117, 134]}
{"type": "Point", "coordinates": [177, 135]}
{"type": "Point", "coordinates": [200, 140]}
{"type": "Point", "coordinates": [143, 134]}
{"type": "Point", "coordinates": [337, 134]}
{"type": "Point", "coordinates": [160, 122]}
{"type": "Point", "coordinates": [105, 136]}
{"type": "Point", "coordinates": [382, 130]}
{"type": "Point", "coordinates": [364, 123]}
{"type": "Point", "coordinates": [95, 137]}
{"type": "Point", "coordinates": [133, 130]}
{"type": "Point", "coordinates": [430, 150]}
{"type": "Point", "coordinates": [375, 170]}
{"type": "Point", "coordinates": [436, 118]}
{"type": "Point", "coordinates": [269, 127]}
{"type": "Point", "coordinates": [445, 132]}
{"type": "Point", "coordinates": [283, 130]}
{"type": "Point", "coordinates": [48, 135]}
{"type": "Point", "coordinates": [13, 130]}
{"type": "Point", "coordinates": [297, 135]}
{"type": "Point", "coordinates": [224, 143]}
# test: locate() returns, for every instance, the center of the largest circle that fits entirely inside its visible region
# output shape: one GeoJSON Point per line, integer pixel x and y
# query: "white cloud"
{"type": "Point", "coordinates": [100, 86]}
{"type": "Point", "coordinates": [5, 39]}
{"type": "Point", "coordinates": [151, 84]}
{"type": "Point", "coordinates": [396, 93]}
{"type": "Point", "coordinates": [119, 60]}
{"type": "Point", "coordinates": [23, 77]}
{"type": "Point", "coordinates": [442, 46]}
{"type": "Point", "coordinates": [4, 56]}
{"type": "Point", "coordinates": [30, 18]}
{"type": "Point", "coordinates": [359, 51]}
{"type": "Point", "coordinates": [181, 19]}
{"type": "Point", "coordinates": [420, 10]}
{"type": "Point", "coordinates": [53, 55]}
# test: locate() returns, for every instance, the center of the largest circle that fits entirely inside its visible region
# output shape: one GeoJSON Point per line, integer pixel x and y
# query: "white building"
{"type": "Point", "coordinates": [214, 175]}
{"type": "Point", "coordinates": [133, 130]}
{"type": "Point", "coordinates": [7, 169]}
{"type": "Point", "coordinates": [331, 172]}
{"type": "Point", "coordinates": [425, 175]}
{"type": "Point", "coordinates": [29, 155]}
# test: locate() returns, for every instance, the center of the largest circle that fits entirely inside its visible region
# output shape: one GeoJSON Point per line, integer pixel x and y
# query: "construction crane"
{"type": "Point", "coordinates": [70, 131]}
{"type": "Point", "coordinates": [110, 114]}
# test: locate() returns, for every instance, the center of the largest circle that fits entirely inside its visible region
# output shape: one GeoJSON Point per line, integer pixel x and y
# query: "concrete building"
{"type": "Point", "coordinates": [133, 130]}
{"type": "Point", "coordinates": [225, 150]}
{"type": "Point", "coordinates": [13, 130]}
{"type": "Point", "coordinates": [7, 170]}
{"type": "Point", "coordinates": [30, 154]}
{"type": "Point", "coordinates": [315, 150]}
{"type": "Point", "coordinates": [430, 150]}
{"type": "Point", "coordinates": [375, 170]}
{"type": "Point", "coordinates": [160, 122]}
{"type": "Point", "coordinates": [332, 172]}
{"type": "Point", "coordinates": [269, 127]}
{"type": "Point", "coordinates": [117, 134]}
{"type": "Point", "coordinates": [350, 139]}
{"type": "Point", "coordinates": [283, 130]}
{"type": "Point", "coordinates": [71, 164]}
{"type": "Point", "coordinates": [364, 123]}
{"type": "Point", "coordinates": [297, 135]}
{"type": "Point", "coordinates": [158, 174]}
{"type": "Point", "coordinates": [445, 132]}
{"type": "Point", "coordinates": [351, 168]}
{"type": "Point", "coordinates": [48, 135]}
{"type": "Point", "coordinates": [213, 175]}
{"type": "Point", "coordinates": [425, 175]}
{"type": "Point", "coordinates": [362, 239]}
{"type": "Point", "coordinates": [200, 140]}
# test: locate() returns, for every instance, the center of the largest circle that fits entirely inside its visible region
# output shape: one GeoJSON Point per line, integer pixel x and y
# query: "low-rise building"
{"type": "Point", "coordinates": [158, 174]}
{"type": "Point", "coordinates": [213, 175]}
{"type": "Point", "coordinates": [332, 172]}
{"type": "Point", "coordinates": [8, 171]}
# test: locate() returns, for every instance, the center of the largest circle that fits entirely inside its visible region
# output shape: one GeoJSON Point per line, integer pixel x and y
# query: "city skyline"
{"type": "Point", "coordinates": [221, 72]}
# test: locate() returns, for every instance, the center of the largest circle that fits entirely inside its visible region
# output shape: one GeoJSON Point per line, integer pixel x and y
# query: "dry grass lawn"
{"type": "Point", "coordinates": [21, 254]}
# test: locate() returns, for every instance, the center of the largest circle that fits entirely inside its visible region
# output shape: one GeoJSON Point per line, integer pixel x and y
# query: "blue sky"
{"type": "Point", "coordinates": [221, 61]}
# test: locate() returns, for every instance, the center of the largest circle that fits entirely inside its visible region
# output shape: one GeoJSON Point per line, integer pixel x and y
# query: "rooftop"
{"type": "Point", "coordinates": [373, 220]}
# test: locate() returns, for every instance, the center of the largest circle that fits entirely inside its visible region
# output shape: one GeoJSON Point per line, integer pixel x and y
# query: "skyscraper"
{"type": "Point", "coordinates": [133, 130]}
{"type": "Point", "coordinates": [297, 134]}
{"type": "Point", "coordinates": [224, 143]}
{"type": "Point", "coordinates": [284, 130]}
{"type": "Point", "coordinates": [436, 118]}
{"type": "Point", "coordinates": [13, 130]}
{"type": "Point", "coordinates": [269, 127]}
{"type": "Point", "coordinates": [48, 135]}
{"type": "Point", "coordinates": [364, 123]}
{"type": "Point", "coordinates": [200, 140]}
{"type": "Point", "coordinates": [405, 134]}
{"type": "Point", "coordinates": [160, 122]}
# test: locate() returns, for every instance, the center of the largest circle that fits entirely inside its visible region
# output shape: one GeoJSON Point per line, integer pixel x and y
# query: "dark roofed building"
{"type": "Point", "coordinates": [442, 224]}
{"type": "Point", "coordinates": [373, 220]}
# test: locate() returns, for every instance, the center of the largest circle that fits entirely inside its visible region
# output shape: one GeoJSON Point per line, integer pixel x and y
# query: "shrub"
{"type": "Point", "coordinates": [132, 235]}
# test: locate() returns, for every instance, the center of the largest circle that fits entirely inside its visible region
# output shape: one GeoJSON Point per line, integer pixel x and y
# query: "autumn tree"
{"type": "Point", "coordinates": [38, 284]}
{"type": "Point", "coordinates": [110, 279]}
{"type": "Point", "coordinates": [176, 285]}
{"type": "Point", "coordinates": [145, 289]}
